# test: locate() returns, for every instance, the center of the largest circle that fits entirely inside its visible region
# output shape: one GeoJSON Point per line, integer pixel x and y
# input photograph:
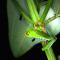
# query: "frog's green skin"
{"type": "Point", "coordinates": [43, 37]}
{"type": "Point", "coordinates": [33, 19]}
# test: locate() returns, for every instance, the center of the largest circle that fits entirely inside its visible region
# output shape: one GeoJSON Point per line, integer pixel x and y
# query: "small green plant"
{"type": "Point", "coordinates": [38, 24]}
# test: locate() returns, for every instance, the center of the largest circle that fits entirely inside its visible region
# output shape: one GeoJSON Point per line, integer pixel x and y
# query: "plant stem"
{"type": "Point", "coordinates": [52, 18]}
{"type": "Point", "coordinates": [50, 55]}
{"type": "Point", "coordinates": [35, 10]}
{"type": "Point", "coordinates": [49, 52]}
{"type": "Point", "coordinates": [49, 3]}
{"type": "Point", "coordinates": [32, 14]}
{"type": "Point", "coordinates": [21, 11]}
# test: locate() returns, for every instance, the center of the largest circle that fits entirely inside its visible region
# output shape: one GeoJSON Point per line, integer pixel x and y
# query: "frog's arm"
{"type": "Point", "coordinates": [49, 44]}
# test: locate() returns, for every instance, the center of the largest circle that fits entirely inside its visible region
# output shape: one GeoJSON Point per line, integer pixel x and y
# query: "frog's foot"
{"type": "Point", "coordinates": [48, 45]}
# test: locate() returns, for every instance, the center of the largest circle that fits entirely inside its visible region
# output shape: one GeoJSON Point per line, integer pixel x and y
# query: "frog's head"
{"type": "Point", "coordinates": [30, 33]}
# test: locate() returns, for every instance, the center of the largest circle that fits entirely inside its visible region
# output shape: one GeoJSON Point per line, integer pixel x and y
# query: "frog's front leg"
{"type": "Point", "coordinates": [48, 44]}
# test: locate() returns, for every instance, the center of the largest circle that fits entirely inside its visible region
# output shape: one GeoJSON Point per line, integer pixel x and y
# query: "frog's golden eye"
{"type": "Point", "coordinates": [26, 33]}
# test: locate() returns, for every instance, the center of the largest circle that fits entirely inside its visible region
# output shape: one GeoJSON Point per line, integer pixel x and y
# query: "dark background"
{"type": "Point", "coordinates": [5, 53]}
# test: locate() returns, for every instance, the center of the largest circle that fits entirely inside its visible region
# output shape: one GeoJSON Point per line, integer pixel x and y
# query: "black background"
{"type": "Point", "coordinates": [5, 53]}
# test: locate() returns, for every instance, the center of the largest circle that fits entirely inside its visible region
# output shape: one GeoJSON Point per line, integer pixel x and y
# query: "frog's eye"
{"type": "Point", "coordinates": [27, 33]}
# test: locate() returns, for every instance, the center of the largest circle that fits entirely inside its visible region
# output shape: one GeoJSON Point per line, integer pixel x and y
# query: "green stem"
{"type": "Point", "coordinates": [49, 3]}
{"type": "Point", "coordinates": [51, 19]}
{"type": "Point", "coordinates": [49, 52]}
{"type": "Point", "coordinates": [38, 4]}
{"type": "Point", "coordinates": [32, 14]}
{"type": "Point", "coordinates": [35, 10]}
{"type": "Point", "coordinates": [50, 55]}
{"type": "Point", "coordinates": [27, 18]}
{"type": "Point", "coordinates": [21, 11]}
